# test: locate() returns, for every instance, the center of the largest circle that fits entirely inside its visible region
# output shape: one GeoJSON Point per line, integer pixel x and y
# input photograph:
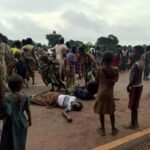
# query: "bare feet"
{"type": "Point", "coordinates": [101, 132]}
{"type": "Point", "coordinates": [132, 127]}
{"type": "Point", "coordinates": [114, 132]}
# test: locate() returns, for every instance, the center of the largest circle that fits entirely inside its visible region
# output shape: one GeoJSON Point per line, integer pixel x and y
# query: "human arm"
{"type": "Point", "coordinates": [132, 77]}
{"type": "Point", "coordinates": [29, 117]}
{"type": "Point", "coordinates": [112, 76]}
{"type": "Point", "coordinates": [34, 55]}
{"type": "Point", "coordinates": [28, 111]}
{"type": "Point", "coordinates": [65, 114]}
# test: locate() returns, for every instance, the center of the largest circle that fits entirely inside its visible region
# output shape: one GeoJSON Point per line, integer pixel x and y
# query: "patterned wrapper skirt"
{"type": "Point", "coordinates": [134, 97]}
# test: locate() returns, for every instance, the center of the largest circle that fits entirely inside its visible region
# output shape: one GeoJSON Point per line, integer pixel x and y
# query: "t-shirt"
{"type": "Point", "coordinates": [70, 59]}
{"type": "Point", "coordinates": [15, 50]}
{"type": "Point", "coordinates": [21, 68]}
{"type": "Point", "coordinates": [136, 73]}
{"type": "Point", "coordinates": [65, 101]}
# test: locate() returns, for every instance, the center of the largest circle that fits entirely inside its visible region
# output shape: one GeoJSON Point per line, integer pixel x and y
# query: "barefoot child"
{"type": "Point", "coordinates": [56, 99]}
{"type": "Point", "coordinates": [108, 75]}
{"type": "Point", "coordinates": [135, 86]}
{"type": "Point", "coordinates": [14, 132]}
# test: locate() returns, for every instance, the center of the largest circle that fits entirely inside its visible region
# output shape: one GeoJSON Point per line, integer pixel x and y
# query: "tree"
{"type": "Point", "coordinates": [88, 46]}
{"type": "Point", "coordinates": [53, 38]}
{"type": "Point", "coordinates": [10, 43]}
{"type": "Point", "coordinates": [76, 43]}
{"type": "Point", "coordinates": [103, 43]}
{"type": "Point", "coordinates": [113, 39]}
{"type": "Point", "coordinates": [107, 43]}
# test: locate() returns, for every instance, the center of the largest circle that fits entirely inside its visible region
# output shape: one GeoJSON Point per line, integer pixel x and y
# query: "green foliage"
{"type": "Point", "coordinates": [88, 46]}
{"type": "Point", "coordinates": [10, 43]}
{"type": "Point", "coordinates": [107, 43]}
{"type": "Point", "coordinates": [53, 38]}
{"type": "Point", "coordinates": [76, 43]}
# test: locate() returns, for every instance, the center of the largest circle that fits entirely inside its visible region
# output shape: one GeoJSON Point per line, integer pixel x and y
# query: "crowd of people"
{"type": "Point", "coordinates": [100, 71]}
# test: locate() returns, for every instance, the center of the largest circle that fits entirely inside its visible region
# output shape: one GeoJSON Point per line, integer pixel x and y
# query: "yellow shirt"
{"type": "Point", "coordinates": [15, 50]}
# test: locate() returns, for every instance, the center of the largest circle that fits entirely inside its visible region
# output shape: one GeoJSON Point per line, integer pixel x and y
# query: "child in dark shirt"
{"type": "Point", "coordinates": [135, 86]}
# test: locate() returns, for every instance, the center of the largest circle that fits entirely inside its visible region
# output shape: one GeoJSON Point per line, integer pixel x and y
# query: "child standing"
{"type": "Point", "coordinates": [108, 75]}
{"type": "Point", "coordinates": [14, 132]}
{"type": "Point", "coordinates": [135, 86]}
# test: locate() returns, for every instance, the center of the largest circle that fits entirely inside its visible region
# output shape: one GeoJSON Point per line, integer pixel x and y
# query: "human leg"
{"type": "Point", "coordinates": [101, 130]}
{"type": "Point", "coordinates": [114, 129]}
{"type": "Point", "coordinates": [134, 120]}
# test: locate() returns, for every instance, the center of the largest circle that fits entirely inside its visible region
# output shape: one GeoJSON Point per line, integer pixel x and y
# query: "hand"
{"type": "Point", "coordinates": [69, 119]}
{"type": "Point", "coordinates": [129, 88]}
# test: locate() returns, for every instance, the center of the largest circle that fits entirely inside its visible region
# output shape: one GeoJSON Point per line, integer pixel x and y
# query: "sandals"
{"type": "Point", "coordinates": [115, 131]}
{"type": "Point", "coordinates": [101, 132]}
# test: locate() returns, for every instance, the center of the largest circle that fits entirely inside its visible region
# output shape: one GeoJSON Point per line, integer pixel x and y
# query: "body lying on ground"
{"type": "Point", "coordinates": [87, 92]}
{"type": "Point", "coordinates": [56, 99]}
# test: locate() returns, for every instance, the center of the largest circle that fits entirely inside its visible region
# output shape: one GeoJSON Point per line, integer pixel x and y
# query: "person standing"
{"type": "Point", "coordinates": [70, 70]}
{"type": "Point", "coordinates": [147, 63]}
{"type": "Point", "coordinates": [116, 60]}
{"type": "Point", "coordinates": [15, 125]}
{"type": "Point", "coordinates": [1, 87]}
{"type": "Point", "coordinates": [135, 87]}
{"type": "Point", "coordinates": [28, 52]}
{"type": "Point", "coordinates": [108, 76]}
{"type": "Point", "coordinates": [1, 93]}
{"type": "Point", "coordinates": [2, 61]}
{"type": "Point", "coordinates": [123, 64]}
{"type": "Point", "coordinates": [61, 50]}
{"type": "Point", "coordinates": [49, 72]}
{"type": "Point", "coordinates": [88, 63]}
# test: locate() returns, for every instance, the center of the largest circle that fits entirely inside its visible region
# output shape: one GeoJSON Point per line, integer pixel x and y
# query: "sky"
{"type": "Point", "coordinates": [85, 20]}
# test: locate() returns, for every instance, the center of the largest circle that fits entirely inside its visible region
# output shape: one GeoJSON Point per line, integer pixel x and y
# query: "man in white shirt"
{"type": "Point", "coordinates": [56, 99]}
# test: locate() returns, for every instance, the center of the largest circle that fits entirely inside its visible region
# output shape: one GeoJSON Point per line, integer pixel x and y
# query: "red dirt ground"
{"type": "Point", "coordinates": [50, 131]}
